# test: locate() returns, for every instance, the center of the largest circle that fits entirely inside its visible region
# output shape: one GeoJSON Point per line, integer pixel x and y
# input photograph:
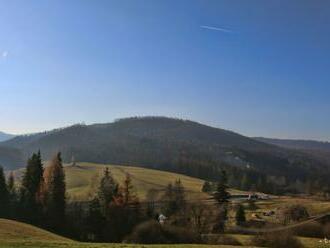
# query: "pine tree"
{"type": "Point", "coordinates": [55, 186]}
{"type": "Point", "coordinates": [240, 215]}
{"type": "Point", "coordinates": [108, 190]}
{"type": "Point", "coordinates": [179, 196]}
{"type": "Point", "coordinates": [130, 196]}
{"type": "Point", "coordinates": [12, 194]}
{"type": "Point", "coordinates": [169, 206]}
{"type": "Point", "coordinates": [4, 195]}
{"type": "Point", "coordinates": [33, 176]}
{"type": "Point", "coordinates": [95, 221]}
{"type": "Point", "coordinates": [30, 207]}
{"type": "Point", "coordinates": [222, 197]}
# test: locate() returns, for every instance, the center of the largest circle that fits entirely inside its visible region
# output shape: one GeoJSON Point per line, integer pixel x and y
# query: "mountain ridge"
{"type": "Point", "coordinates": [175, 145]}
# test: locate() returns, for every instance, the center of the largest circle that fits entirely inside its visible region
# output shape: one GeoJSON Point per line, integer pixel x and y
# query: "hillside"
{"type": "Point", "coordinates": [5, 136]}
{"type": "Point", "coordinates": [17, 231]}
{"type": "Point", "coordinates": [11, 157]}
{"type": "Point", "coordinates": [317, 149]}
{"type": "Point", "coordinates": [15, 234]}
{"type": "Point", "coordinates": [297, 144]}
{"type": "Point", "coordinates": [82, 180]}
{"type": "Point", "coordinates": [174, 145]}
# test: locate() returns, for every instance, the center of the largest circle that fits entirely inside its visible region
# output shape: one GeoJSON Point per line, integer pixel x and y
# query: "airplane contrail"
{"type": "Point", "coordinates": [217, 29]}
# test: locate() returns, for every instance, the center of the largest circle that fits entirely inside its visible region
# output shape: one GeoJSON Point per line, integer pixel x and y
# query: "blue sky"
{"type": "Point", "coordinates": [260, 68]}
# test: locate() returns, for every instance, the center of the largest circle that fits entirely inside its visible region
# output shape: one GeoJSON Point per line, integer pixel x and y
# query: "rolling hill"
{"type": "Point", "coordinates": [297, 144]}
{"type": "Point", "coordinates": [5, 136]}
{"type": "Point", "coordinates": [317, 149]}
{"type": "Point", "coordinates": [169, 144]}
{"type": "Point", "coordinates": [14, 234]}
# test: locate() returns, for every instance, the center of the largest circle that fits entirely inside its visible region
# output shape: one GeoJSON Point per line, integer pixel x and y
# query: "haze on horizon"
{"type": "Point", "coordinates": [260, 68]}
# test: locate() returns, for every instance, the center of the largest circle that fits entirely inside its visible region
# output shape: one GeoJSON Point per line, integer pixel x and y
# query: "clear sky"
{"type": "Point", "coordinates": [260, 68]}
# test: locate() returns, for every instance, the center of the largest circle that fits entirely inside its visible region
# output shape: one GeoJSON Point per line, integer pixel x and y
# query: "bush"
{"type": "Point", "coordinates": [151, 232]}
{"type": "Point", "coordinates": [312, 230]}
{"type": "Point", "coordinates": [293, 213]}
{"type": "Point", "coordinates": [276, 240]}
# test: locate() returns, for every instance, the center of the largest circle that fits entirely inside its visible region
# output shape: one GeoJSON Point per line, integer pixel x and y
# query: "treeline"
{"type": "Point", "coordinates": [115, 214]}
{"type": "Point", "coordinates": [40, 199]}
{"type": "Point", "coordinates": [248, 178]}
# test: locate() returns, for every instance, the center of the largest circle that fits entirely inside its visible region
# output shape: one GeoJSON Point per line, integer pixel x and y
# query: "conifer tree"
{"type": "Point", "coordinates": [4, 195]}
{"type": "Point", "coordinates": [55, 186]}
{"type": "Point", "coordinates": [108, 190]}
{"type": "Point", "coordinates": [95, 221]}
{"type": "Point", "coordinates": [179, 196]}
{"type": "Point", "coordinates": [222, 197]}
{"type": "Point", "coordinates": [240, 215]}
{"type": "Point", "coordinates": [33, 176]}
{"type": "Point", "coordinates": [12, 194]}
{"type": "Point", "coordinates": [30, 208]}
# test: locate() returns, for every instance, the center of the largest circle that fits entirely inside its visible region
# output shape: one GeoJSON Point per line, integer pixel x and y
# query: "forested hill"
{"type": "Point", "coordinates": [171, 144]}
{"type": "Point", "coordinates": [317, 149]}
{"type": "Point", "coordinates": [297, 144]}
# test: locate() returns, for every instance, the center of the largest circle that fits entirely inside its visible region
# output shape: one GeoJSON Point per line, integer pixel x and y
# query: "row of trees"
{"type": "Point", "coordinates": [40, 199]}
{"type": "Point", "coordinates": [115, 211]}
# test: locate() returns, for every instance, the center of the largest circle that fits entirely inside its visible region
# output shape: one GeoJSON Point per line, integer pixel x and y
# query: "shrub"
{"type": "Point", "coordinates": [276, 240]}
{"type": "Point", "coordinates": [151, 232]}
{"type": "Point", "coordinates": [312, 229]}
{"type": "Point", "coordinates": [293, 213]}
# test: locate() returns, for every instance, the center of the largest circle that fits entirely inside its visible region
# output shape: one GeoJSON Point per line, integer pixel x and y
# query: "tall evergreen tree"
{"type": "Point", "coordinates": [240, 215]}
{"type": "Point", "coordinates": [55, 185]}
{"type": "Point", "coordinates": [30, 208]}
{"type": "Point", "coordinates": [4, 195]}
{"type": "Point", "coordinates": [13, 198]}
{"type": "Point", "coordinates": [179, 195]}
{"type": "Point", "coordinates": [107, 191]}
{"type": "Point", "coordinates": [222, 197]}
{"type": "Point", "coordinates": [33, 175]}
{"type": "Point", "coordinates": [95, 221]}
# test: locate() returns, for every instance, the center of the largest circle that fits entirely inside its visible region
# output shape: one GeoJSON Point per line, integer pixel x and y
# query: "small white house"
{"type": "Point", "coordinates": [161, 219]}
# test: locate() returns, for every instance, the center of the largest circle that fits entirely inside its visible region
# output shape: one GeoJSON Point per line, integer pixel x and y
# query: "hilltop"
{"type": "Point", "coordinates": [176, 145]}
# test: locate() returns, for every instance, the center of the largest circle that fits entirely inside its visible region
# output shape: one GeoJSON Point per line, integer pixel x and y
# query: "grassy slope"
{"type": "Point", "coordinates": [20, 235]}
{"type": "Point", "coordinates": [14, 234]}
{"type": "Point", "coordinates": [82, 181]}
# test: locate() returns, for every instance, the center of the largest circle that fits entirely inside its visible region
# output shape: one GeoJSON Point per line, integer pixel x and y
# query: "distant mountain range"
{"type": "Point", "coordinates": [297, 144]}
{"type": "Point", "coordinates": [317, 149]}
{"type": "Point", "coordinates": [169, 144]}
{"type": "Point", "coordinates": [5, 136]}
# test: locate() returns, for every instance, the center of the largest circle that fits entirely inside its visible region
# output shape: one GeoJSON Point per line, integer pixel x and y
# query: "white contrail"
{"type": "Point", "coordinates": [217, 29]}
